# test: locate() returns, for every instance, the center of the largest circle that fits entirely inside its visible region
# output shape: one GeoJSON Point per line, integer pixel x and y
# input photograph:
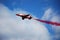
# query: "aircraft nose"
{"type": "Point", "coordinates": [17, 14]}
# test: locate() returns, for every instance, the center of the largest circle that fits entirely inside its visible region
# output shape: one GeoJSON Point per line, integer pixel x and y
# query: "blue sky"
{"type": "Point", "coordinates": [35, 7]}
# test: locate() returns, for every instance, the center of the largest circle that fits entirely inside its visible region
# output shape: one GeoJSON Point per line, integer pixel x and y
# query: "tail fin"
{"type": "Point", "coordinates": [27, 14]}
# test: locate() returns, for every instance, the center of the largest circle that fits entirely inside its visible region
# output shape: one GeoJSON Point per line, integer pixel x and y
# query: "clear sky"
{"type": "Point", "coordinates": [36, 7]}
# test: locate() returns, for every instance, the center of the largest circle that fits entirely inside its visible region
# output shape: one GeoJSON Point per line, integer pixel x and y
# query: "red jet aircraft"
{"type": "Point", "coordinates": [28, 16]}
{"type": "Point", "coordinates": [24, 16]}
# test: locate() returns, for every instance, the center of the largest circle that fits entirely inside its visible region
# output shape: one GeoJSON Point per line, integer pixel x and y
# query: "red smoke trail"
{"type": "Point", "coordinates": [49, 22]}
